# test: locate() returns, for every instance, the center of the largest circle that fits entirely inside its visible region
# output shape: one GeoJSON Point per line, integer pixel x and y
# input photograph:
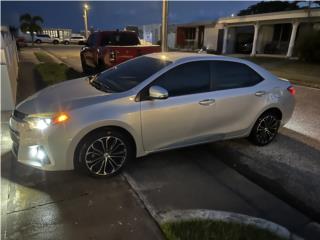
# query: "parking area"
{"type": "Point", "coordinates": [278, 182]}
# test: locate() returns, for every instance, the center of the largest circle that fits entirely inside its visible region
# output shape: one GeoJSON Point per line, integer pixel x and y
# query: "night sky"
{"type": "Point", "coordinates": [112, 15]}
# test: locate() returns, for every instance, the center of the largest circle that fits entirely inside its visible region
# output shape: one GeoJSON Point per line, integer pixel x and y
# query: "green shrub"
{"type": "Point", "coordinates": [308, 48]}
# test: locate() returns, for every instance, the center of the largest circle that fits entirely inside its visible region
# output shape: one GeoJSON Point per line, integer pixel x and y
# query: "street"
{"type": "Point", "coordinates": [279, 182]}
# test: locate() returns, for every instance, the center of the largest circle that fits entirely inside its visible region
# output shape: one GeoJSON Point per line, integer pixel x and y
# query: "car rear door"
{"type": "Point", "coordinates": [239, 95]}
{"type": "Point", "coordinates": [184, 118]}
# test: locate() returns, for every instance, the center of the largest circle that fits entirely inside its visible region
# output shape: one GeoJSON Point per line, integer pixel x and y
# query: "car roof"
{"type": "Point", "coordinates": [181, 56]}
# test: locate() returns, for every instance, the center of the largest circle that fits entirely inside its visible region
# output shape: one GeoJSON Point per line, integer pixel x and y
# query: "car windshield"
{"type": "Point", "coordinates": [129, 74]}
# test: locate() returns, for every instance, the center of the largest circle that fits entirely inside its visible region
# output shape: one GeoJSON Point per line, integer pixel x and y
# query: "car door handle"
{"type": "Point", "coordinates": [207, 102]}
{"type": "Point", "coordinates": [260, 93]}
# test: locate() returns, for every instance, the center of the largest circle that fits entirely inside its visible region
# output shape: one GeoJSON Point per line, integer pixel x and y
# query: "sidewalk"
{"type": "Point", "coordinates": [64, 205]}
{"type": "Point", "coordinates": [28, 82]}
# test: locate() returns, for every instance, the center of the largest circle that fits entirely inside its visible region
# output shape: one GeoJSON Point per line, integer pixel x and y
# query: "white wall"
{"type": "Point", "coordinates": [9, 70]}
{"type": "Point", "coordinates": [211, 36]}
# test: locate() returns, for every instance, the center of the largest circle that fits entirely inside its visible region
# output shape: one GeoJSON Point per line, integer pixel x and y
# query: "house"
{"type": "Point", "coordinates": [195, 35]}
{"type": "Point", "coordinates": [60, 33]}
{"type": "Point", "coordinates": [267, 33]}
{"type": "Point", "coordinates": [152, 33]}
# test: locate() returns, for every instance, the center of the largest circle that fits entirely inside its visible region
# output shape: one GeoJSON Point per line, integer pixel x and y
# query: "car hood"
{"type": "Point", "coordinates": [63, 97]}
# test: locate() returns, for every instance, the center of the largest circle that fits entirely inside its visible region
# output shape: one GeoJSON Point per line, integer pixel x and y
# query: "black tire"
{"type": "Point", "coordinates": [38, 41]}
{"type": "Point", "coordinates": [105, 160]}
{"type": "Point", "coordinates": [85, 68]}
{"type": "Point", "coordinates": [265, 129]}
{"type": "Point", "coordinates": [55, 42]}
{"type": "Point", "coordinates": [66, 42]}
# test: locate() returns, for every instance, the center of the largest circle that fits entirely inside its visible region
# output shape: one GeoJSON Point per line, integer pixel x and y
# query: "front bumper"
{"type": "Point", "coordinates": [36, 148]}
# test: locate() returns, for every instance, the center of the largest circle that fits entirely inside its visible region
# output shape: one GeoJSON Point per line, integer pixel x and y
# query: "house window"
{"type": "Point", "coordinates": [190, 33]}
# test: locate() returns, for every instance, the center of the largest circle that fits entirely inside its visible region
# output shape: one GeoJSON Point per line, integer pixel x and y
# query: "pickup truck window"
{"type": "Point", "coordinates": [120, 39]}
{"type": "Point", "coordinates": [129, 74]}
{"type": "Point", "coordinates": [92, 40]}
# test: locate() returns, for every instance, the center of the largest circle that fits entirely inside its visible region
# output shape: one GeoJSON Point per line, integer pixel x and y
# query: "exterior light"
{"type": "Point", "coordinates": [38, 154]}
{"type": "Point", "coordinates": [163, 57]}
{"type": "Point", "coordinates": [60, 118]}
{"type": "Point", "coordinates": [86, 6]}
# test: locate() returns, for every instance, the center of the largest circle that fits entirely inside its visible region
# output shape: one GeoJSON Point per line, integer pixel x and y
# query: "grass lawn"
{"type": "Point", "coordinates": [214, 230]}
{"type": "Point", "coordinates": [43, 57]}
{"type": "Point", "coordinates": [51, 72]}
{"type": "Point", "coordinates": [298, 72]}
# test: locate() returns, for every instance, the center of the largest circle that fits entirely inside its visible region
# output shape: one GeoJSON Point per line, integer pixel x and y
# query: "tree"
{"type": "Point", "coordinates": [272, 6]}
{"type": "Point", "coordinates": [31, 24]}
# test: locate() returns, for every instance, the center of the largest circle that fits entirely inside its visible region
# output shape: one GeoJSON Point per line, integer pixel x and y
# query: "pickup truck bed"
{"type": "Point", "coordinates": [107, 49]}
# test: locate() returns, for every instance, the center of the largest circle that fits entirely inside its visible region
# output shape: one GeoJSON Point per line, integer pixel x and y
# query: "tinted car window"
{"type": "Point", "coordinates": [188, 78]}
{"type": "Point", "coordinates": [120, 39]}
{"type": "Point", "coordinates": [229, 75]}
{"type": "Point", "coordinates": [129, 74]}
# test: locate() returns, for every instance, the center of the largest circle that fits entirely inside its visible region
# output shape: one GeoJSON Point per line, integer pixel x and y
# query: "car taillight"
{"type": "Point", "coordinates": [292, 90]}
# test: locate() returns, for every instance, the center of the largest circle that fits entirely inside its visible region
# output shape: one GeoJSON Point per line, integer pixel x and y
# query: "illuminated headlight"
{"type": "Point", "coordinates": [43, 121]}
{"type": "Point", "coordinates": [39, 123]}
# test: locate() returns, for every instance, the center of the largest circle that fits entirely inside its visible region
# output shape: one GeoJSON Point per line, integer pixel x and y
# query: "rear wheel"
{"type": "Point", "coordinates": [104, 153]}
{"type": "Point", "coordinates": [55, 42]}
{"type": "Point", "coordinates": [66, 42]}
{"type": "Point", "coordinates": [265, 129]}
{"type": "Point", "coordinates": [38, 41]}
{"type": "Point", "coordinates": [85, 68]}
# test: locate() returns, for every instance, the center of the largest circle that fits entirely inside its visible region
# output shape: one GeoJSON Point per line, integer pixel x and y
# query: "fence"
{"type": "Point", "coordinates": [9, 70]}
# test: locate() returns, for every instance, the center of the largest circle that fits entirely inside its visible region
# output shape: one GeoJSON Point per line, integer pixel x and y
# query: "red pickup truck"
{"type": "Point", "coordinates": [109, 48]}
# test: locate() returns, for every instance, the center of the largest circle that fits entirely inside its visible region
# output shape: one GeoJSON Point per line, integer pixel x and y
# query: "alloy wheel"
{"type": "Point", "coordinates": [105, 156]}
{"type": "Point", "coordinates": [267, 129]}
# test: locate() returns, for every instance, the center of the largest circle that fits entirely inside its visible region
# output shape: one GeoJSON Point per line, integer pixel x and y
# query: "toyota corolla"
{"type": "Point", "coordinates": [152, 103]}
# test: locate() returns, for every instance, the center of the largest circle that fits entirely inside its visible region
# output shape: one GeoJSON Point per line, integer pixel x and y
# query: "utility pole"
{"type": "Point", "coordinates": [164, 35]}
{"type": "Point", "coordinates": [85, 17]}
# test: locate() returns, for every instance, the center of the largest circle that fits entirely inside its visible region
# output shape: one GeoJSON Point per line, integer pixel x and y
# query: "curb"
{"type": "Point", "coordinates": [178, 215]}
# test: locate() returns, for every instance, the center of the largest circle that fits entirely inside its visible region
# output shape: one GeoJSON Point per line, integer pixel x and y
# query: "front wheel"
{"type": "Point", "coordinates": [104, 153]}
{"type": "Point", "coordinates": [265, 129]}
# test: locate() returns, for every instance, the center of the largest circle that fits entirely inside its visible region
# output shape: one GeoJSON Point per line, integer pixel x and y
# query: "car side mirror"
{"type": "Point", "coordinates": [157, 92]}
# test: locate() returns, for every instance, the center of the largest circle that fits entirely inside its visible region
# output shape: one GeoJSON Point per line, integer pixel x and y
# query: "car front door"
{"type": "Point", "coordinates": [184, 117]}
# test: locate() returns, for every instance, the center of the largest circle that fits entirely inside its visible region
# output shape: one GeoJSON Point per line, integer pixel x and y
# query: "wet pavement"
{"type": "Point", "coordinates": [66, 205]}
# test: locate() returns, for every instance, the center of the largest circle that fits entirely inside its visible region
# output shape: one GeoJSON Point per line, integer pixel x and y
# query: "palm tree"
{"type": "Point", "coordinates": [31, 24]}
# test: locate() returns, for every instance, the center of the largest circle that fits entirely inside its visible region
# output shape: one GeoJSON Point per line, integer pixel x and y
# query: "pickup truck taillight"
{"type": "Point", "coordinates": [292, 90]}
{"type": "Point", "coordinates": [112, 56]}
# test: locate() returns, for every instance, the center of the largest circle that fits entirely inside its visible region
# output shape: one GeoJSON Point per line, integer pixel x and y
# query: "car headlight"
{"type": "Point", "coordinates": [43, 121]}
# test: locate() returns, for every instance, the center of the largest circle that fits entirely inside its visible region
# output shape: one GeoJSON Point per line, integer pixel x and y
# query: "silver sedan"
{"type": "Point", "coordinates": [152, 103]}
